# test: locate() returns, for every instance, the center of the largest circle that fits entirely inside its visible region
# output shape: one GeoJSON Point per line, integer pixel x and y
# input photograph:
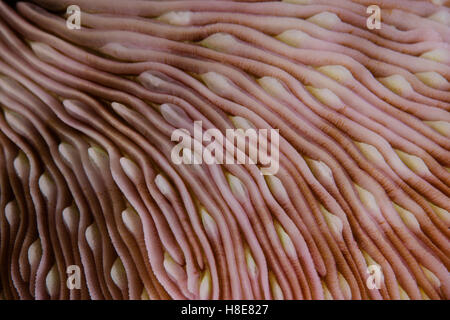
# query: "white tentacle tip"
{"type": "Point", "coordinates": [408, 218]}
{"type": "Point", "coordinates": [216, 82]}
{"type": "Point", "coordinates": [21, 165]}
{"type": "Point", "coordinates": [17, 122]}
{"type": "Point", "coordinates": [118, 274]}
{"type": "Point", "coordinates": [277, 292]}
{"type": "Point", "coordinates": [326, 292]}
{"type": "Point", "coordinates": [276, 187]}
{"type": "Point", "coordinates": [209, 224]}
{"type": "Point", "coordinates": [34, 253]}
{"type": "Point", "coordinates": [333, 221]}
{"type": "Point", "coordinates": [397, 83]}
{"type": "Point", "coordinates": [251, 264]}
{"type": "Point", "coordinates": [70, 217]}
{"type": "Point", "coordinates": [241, 123]}
{"type": "Point", "coordinates": [433, 79]}
{"type": "Point", "coordinates": [178, 18]}
{"type": "Point", "coordinates": [439, 2]}
{"type": "Point", "coordinates": [442, 127]}
{"type": "Point", "coordinates": [441, 16]}
{"type": "Point", "coordinates": [131, 169]}
{"type": "Point", "coordinates": [67, 151]}
{"type": "Point", "coordinates": [163, 185]}
{"type": "Point", "coordinates": [370, 152]}
{"type": "Point", "coordinates": [149, 80]}
{"type": "Point", "coordinates": [98, 156]}
{"type": "Point", "coordinates": [144, 295]}
{"type": "Point", "coordinates": [320, 170]}
{"type": "Point", "coordinates": [294, 38]}
{"type": "Point", "coordinates": [220, 41]}
{"type": "Point", "coordinates": [369, 201]}
{"type": "Point", "coordinates": [286, 241]}
{"type": "Point", "coordinates": [273, 86]}
{"type": "Point", "coordinates": [46, 185]}
{"type": "Point", "coordinates": [443, 214]}
{"type": "Point", "coordinates": [205, 286]}
{"type": "Point", "coordinates": [92, 236]}
{"type": "Point", "coordinates": [431, 277]}
{"type": "Point", "coordinates": [403, 294]}
{"type": "Point", "coordinates": [345, 287]}
{"type": "Point", "coordinates": [325, 19]}
{"type": "Point", "coordinates": [327, 97]}
{"type": "Point", "coordinates": [237, 187]}
{"type": "Point", "coordinates": [42, 50]}
{"type": "Point", "coordinates": [439, 55]}
{"type": "Point", "coordinates": [175, 115]}
{"type": "Point", "coordinates": [415, 163]}
{"type": "Point", "coordinates": [12, 213]}
{"type": "Point", "coordinates": [132, 220]}
{"type": "Point", "coordinates": [52, 281]}
{"type": "Point", "coordinates": [173, 269]}
{"type": "Point", "coordinates": [336, 72]}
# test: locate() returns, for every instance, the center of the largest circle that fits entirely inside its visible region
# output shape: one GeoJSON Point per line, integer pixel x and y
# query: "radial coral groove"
{"type": "Point", "coordinates": [224, 150]}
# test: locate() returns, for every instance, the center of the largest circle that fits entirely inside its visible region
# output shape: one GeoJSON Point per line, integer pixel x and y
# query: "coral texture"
{"type": "Point", "coordinates": [93, 205]}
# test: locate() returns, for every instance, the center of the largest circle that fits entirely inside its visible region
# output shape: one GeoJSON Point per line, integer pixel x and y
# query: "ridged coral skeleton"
{"type": "Point", "coordinates": [87, 179]}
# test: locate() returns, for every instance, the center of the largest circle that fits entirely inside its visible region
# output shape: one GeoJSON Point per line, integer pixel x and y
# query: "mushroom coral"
{"type": "Point", "coordinates": [358, 208]}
